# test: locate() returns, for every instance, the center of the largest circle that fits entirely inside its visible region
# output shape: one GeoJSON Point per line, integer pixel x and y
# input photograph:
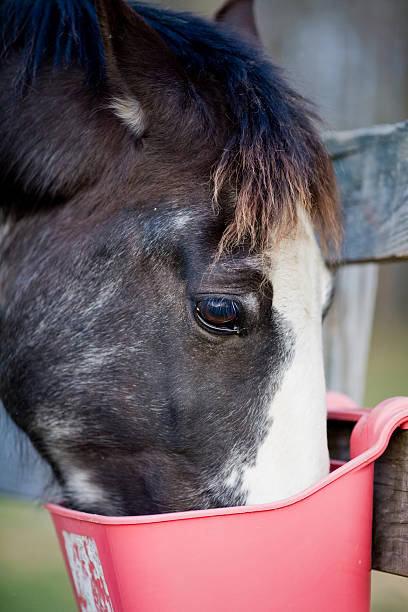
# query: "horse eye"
{"type": "Point", "coordinates": [219, 315]}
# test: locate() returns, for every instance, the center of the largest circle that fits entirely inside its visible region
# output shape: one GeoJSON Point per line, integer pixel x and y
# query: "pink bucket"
{"type": "Point", "coordinates": [311, 552]}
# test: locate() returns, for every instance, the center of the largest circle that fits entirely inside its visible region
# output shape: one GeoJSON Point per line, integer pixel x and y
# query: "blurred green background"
{"type": "Point", "coordinates": [350, 58]}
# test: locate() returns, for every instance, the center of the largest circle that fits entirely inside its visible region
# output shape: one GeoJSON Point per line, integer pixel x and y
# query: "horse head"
{"type": "Point", "coordinates": [162, 286]}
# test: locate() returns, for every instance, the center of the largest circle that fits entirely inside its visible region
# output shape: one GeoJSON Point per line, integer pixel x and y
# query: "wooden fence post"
{"type": "Point", "coordinates": [347, 329]}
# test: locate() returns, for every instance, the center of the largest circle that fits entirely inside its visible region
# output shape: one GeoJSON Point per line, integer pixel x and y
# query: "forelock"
{"type": "Point", "coordinates": [274, 160]}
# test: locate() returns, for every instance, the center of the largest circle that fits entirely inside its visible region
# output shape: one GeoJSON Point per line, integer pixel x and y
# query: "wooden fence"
{"type": "Point", "coordinates": [372, 171]}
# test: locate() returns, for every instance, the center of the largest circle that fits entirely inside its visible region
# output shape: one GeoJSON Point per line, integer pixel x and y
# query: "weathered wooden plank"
{"type": "Point", "coordinates": [390, 519]}
{"type": "Point", "coordinates": [372, 171]}
{"type": "Point", "coordinates": [390, 512]}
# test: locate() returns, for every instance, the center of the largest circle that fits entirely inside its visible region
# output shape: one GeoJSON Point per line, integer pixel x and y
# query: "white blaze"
{"type": "Point", "coordinates": [294, 454]}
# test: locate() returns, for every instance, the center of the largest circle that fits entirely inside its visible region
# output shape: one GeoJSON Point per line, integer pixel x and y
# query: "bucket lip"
{"type": "Point", "coordinates": [342, 471]}
{"type": "Point", "coordinates": [389, 414]}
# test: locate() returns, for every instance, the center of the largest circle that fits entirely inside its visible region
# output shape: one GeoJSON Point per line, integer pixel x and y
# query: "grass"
{"type": "Point", "coordinates": [32, 570]}
{"type": "Point", "coordinates": [388, 593]}
{"type": "Point", "coordinates": [387, 372]}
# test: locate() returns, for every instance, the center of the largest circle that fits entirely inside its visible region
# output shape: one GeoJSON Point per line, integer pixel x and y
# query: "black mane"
{"type": "Point", "coordinates": [65, 31]}
{"type": "Point", "coordinates": [274, 158]}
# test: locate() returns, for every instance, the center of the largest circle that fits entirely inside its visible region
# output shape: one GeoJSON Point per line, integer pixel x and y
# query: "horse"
{"type": "Point", "coordinates": [166, 206]}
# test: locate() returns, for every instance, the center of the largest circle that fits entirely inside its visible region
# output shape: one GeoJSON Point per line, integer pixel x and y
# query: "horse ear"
{"type": "Point", "coordinates": [240, 15]}
{"type": "Point", "coordinates": [138, 62]}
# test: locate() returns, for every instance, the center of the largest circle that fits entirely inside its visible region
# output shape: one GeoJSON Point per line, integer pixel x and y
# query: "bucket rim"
{"type": "Point", "coordinates": [373, 432]}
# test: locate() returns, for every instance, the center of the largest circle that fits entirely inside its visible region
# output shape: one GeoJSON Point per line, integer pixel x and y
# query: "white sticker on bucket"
{"type": "Point", "coordinates": [87, 573]}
